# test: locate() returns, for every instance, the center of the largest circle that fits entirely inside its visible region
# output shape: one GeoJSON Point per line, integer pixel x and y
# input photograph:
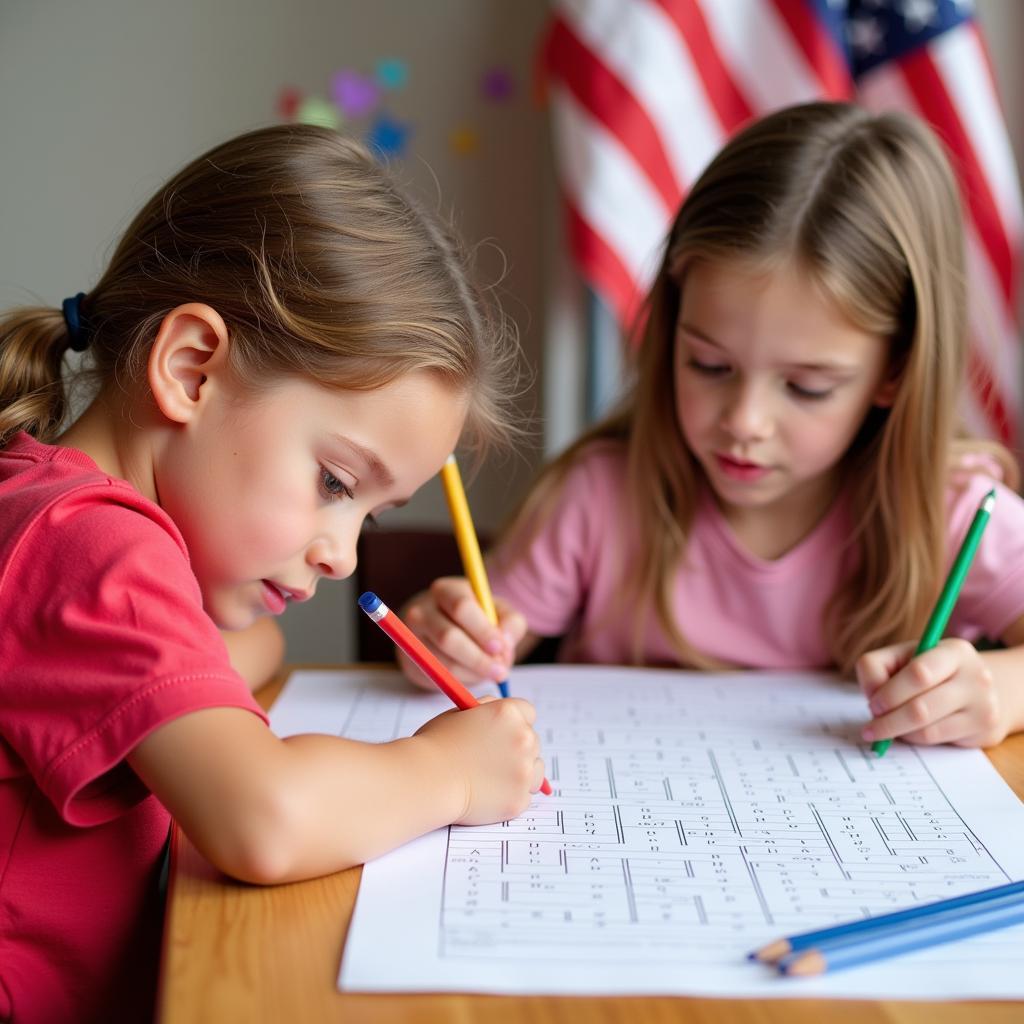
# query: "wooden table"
{"type": "Point", "coordinates": [235, 952]}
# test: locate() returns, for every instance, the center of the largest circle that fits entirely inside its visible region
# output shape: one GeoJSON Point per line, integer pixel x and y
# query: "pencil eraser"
{"type": "Point", "coordinates": [369, 602]}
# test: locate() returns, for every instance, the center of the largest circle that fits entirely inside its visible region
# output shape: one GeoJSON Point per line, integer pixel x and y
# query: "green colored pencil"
{"type": "Point", "coordinates": [950, 590]}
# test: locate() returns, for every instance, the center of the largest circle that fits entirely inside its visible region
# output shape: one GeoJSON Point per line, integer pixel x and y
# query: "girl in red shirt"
{"type": "Point", "coordinates": [283, 345]}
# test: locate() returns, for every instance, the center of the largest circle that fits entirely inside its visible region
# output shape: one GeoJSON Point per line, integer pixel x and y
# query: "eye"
{"type": "Point", "coordinates": [809, 393]}
{"type": "Point", "coordinates": [708, 369]}
{"type": "Point", "coordinates": [331, 487]}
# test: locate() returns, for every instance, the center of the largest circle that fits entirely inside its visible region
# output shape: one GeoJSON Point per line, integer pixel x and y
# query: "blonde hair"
{"type": "Point", "coordinates": [867, 206]}
{"type": "Point", "coordinates": [320, 265]}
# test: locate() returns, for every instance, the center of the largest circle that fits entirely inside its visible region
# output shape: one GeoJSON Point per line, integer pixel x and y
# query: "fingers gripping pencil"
{"type": "Point", "coordinates": [936, 624]}
{"type": "Point", "coordinates": [469, 546]}
{"type": "Point", "coordinates": [418, 653]}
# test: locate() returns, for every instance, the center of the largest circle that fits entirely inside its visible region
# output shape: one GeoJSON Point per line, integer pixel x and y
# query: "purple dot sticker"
{"type": "Point", "coordinates": [497, 85]}
{"type": "Point", "coordinates": [355, 94]}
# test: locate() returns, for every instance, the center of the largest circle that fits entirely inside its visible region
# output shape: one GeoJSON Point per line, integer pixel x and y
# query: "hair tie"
{"type": "Point", "coordinates": [78, 331]}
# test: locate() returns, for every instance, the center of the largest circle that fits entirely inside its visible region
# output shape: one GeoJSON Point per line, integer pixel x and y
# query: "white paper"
{"type": "Point", "coordinates": [694, 818]}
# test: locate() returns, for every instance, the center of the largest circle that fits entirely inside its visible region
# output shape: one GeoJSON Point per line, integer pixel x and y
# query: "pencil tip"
{"type": "Point", "coordinates": [797, 964]}
{"type": "Point", "coordinates": [772, 952]}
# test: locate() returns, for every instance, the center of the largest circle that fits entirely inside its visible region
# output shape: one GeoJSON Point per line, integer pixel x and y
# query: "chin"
{"type": "Point", "coordinates": [746, 497]}
{"type": "Point", "coordinates": [230, 619]}
{"type": "Point", "coordinates": [239, 622]}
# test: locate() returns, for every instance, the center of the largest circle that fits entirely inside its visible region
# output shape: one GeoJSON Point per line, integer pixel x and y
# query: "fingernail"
{"type": "Point", "coordinates": [499, 672]}
{"type": "Point", "coordinates": [867, 734]}
{"type": "Point", "coordinates": [494, 646]}
{"type": "Point", "coordinates": [875, 706]}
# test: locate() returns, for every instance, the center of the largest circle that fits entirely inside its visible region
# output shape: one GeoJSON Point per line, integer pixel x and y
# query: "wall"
{"type": "Point", "coordinates": [100, 100]}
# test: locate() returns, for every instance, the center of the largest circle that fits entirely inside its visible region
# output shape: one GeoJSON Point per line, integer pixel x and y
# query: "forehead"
{"type": "Point", "coordinates": [782, 314]}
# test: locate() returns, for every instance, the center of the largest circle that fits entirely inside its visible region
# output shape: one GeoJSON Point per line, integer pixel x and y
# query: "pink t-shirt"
{"type": "Point", "coordinates": [104, 639]}
{"type": "Point", "coordinates": [729, 603]}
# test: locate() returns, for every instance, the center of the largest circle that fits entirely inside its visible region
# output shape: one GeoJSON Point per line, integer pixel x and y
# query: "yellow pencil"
{"type": "Point", "coordinates": [469, 546]}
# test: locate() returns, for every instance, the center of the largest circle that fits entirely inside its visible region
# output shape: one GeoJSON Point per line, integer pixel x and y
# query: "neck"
{"type": "Point", "coordinates": [771, 532]}
{"type": "Point", "coordinates": [110, 435]}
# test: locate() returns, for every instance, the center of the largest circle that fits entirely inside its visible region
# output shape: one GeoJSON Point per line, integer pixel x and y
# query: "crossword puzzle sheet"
{"type": "Point", "coordinates": [694, 818]}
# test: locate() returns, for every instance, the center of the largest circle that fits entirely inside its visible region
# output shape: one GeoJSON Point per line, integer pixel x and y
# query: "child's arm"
{"type": "Point", "coordinates": [256, 653]}
{"type": "Point", "coordinates": [449, 619]}
{"type": "Point", "coordinates": [268, 810]}
{"type": "Point", "coordinates": [950, 694]}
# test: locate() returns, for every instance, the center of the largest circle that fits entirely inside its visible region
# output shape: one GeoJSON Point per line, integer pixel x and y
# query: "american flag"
{"type": "Point", "coordinates": [643, 93]}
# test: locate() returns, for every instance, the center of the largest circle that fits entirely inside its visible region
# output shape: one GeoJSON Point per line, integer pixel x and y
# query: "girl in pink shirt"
{"type": "Point", "coordinates": [283, 345]}
{"type": "Point", "coordinates": [781, 488]}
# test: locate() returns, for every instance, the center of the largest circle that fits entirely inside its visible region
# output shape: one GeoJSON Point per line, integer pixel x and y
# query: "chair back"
{"type": "Point", "coordinates": [395, 565]}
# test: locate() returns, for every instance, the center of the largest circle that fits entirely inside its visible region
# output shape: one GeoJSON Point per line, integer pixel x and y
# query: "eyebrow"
{"type": "Point", "coordinates": [826, 367]}
{"type": "Point", "coordinates": [377, 468]}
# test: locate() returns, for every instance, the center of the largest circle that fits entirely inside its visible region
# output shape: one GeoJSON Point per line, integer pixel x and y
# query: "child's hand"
{"type": "Point", "coordinates": [945, 695]}
{"type": "Point", "coordinates": [491, 750]}
{"type": "Point", "coordinates": [449, 620]}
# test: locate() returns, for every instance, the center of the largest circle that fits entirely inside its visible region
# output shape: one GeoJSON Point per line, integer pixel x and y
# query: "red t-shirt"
{"type": "Point", "coordinates": [104, 638]}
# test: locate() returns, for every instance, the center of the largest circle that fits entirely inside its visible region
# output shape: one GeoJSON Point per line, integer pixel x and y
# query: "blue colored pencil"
{"type": "Point", "coordinates": [944, 917]}
{"type": "Point", "coordinates": [884, 943]}
{"type": "Point", "coordinates": [808, 940]}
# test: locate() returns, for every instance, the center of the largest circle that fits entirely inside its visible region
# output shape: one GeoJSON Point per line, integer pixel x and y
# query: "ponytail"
{"type": "Point", "coordinates": [33, 398]}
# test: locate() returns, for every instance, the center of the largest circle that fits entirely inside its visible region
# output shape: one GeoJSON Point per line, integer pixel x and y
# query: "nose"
{"type": "Point", "coordinates": [747, 415]}
{"type": "Point", "coordinates": [333, 553]}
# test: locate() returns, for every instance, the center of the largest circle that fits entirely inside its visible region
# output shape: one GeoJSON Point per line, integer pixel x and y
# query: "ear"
{"type": "Point", "coordinates": [889, 387]}
{"type": "Point", "coordinates": [190, 349]}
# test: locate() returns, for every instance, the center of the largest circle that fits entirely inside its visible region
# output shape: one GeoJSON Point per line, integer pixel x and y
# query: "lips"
{"type": "Point", "coordinates": [742, 463]}
{"type": "Point", "coordinates": [277, 595]}
{"type": "Point", "coordinates": [274, 597]}
{"type": "Point", "coordinates": [741, 469]}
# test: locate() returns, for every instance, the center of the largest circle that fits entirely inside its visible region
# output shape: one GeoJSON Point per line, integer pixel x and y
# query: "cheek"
{"type": "Point", "coordinates": [696, 409]}
{"type": "Point", "coordinates": [276, 515]}
{"type": "Point", "coordinates": [824, 436]}
{"type": "Point", "coordinates": [247, 521]}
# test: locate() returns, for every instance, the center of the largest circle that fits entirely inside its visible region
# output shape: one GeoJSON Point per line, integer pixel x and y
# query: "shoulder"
{"type": "Point", "coordinates": [100, 587]}
{"type": "Point", "coordinates": [969, 481]}
{"type": "Point", "coordinates": [97, 520]}
{"type": "Point", "coordinates": [599, 466]}
{"type": "Point", "coordinates": [570, 503]}
{"type": "Point", "coordinates": [971, 475]}
{"type": "Point", "coordinates": [62, 488]}
{"type": "Point", "coordinates": [92, 538]}
{"type": "Point", "coordinates": [51, 492]}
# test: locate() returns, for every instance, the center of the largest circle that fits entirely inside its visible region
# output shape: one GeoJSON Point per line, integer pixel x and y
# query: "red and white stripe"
{"type": "Point", "coordinates": [644, 93]}
{"type": "Point", "coordinates": [949, 84]}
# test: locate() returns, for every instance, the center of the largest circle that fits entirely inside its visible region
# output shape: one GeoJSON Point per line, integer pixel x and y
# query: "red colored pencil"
{"type": "Point", "coordinates": [413, 647]}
